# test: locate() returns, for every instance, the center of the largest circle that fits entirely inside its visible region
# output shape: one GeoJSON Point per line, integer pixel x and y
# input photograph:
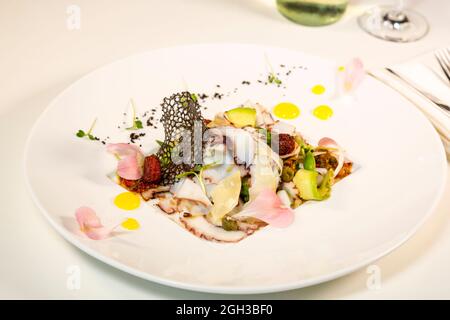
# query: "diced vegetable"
{"type": "Point", "coordinates": [229, 224]}
{"type": "Point", "coordinates": [288, 174]}
{"type": "Point", "coordinates": [325, 186]}
{"type": "Point", "coordinates": [310, 162]}
{"type": "Point", "coordinates": [242, 116]}
{"type": "Point", "coordinates": [244, 194]}
{"type": "Point", "coordinates": [306, 183]}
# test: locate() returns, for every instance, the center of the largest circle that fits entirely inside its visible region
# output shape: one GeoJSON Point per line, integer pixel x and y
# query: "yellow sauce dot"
{"type": "Point", "coordinates": [318, 89]}
{"type": "Point", "coordinates": [323, 112]}
{"type": "Point", "coordinates": [131, 224]}
{"type": "Point", "coordinates": [341, 68]}
{"type": "Point", "coordinates": [286, 110]}
{"type": "Point", "coordinates": [127, 201]}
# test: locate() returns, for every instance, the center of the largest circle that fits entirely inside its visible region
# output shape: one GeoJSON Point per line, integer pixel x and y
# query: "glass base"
{"type": "Point", "coordinates": [389, 23]}
{"type": "Point", "coordinates": [312, 12]}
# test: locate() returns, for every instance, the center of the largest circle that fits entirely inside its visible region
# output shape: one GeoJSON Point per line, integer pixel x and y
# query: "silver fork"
{"type": "Point", "coordinates": [443, 58]}
{"type": "Point", "coordinates": [443, 107]}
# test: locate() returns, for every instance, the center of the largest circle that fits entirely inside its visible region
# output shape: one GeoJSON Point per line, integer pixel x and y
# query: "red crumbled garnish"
{"type": "Point", "coordinates": [152, 169]}
{"type": "Point", "coordinates": [137, 185]}
{"type": "Point", "coordinates": [129, 184]}
{"type": "Point", "coordinates": [286, 144]}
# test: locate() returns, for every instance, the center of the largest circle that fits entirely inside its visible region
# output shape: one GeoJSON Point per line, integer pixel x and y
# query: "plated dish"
{"type": "Point", "coordinates": [328, 195]}
{"type": "Point", "coordinates": [224, 178]}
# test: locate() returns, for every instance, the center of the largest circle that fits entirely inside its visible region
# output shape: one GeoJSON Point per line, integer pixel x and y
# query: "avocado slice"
{"type": "Point", "coordinates": [306, 183]}
{"type": "Point", "coordinates": [242, 116]}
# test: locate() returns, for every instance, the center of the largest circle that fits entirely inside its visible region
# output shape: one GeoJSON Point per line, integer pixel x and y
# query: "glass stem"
{"type": "Point", "coordinates": [397, 12]}
{"type": "Point", "coordinates": [396, 17]}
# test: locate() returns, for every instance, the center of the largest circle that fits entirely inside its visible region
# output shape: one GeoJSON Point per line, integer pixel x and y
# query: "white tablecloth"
{"type": "Point", "coordinates": [40, 56]}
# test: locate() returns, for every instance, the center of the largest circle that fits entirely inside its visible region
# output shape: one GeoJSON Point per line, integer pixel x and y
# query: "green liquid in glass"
{"type": "Point", "coordinates": [312, 12]}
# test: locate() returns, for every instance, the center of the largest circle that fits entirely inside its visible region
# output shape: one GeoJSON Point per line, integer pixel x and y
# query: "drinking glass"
{"type": "Point", "coordinates": [312, 12]}
{"type": "Point", "coordinates": [394, 23]}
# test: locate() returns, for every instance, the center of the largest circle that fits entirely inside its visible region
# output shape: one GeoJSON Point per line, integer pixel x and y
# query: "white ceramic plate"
{"type": "Point", "coordinates": [401, 173]}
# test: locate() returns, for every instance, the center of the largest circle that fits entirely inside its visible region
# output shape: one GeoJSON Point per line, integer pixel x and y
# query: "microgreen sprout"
{"type": "Point", "coordinates": [137, 124]}
{"type": "Point", "coordinates": [272, 77]}
{"type": "Point", "coordinates": [198, 172]}
{"type": "Point", "coordinates": [81, 134]}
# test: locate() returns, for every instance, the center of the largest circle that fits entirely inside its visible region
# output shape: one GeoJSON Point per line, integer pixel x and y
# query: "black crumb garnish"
{"type": "Point", "coordinates": [218, 95]}
{"type": "Point", "coordinates": [202, 96]}
{"type": "Point", "coordinates": [218, 85]}
{"type": "Point", "coordinates": [136, 136]}
{"type": "Point", "coordinates": [245, 82]}
{"type": "Point", "coordinates": [282, 65]}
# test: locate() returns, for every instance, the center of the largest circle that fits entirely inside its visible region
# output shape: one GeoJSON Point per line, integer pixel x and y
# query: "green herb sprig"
{"type": "Point", "coordinates": [272, 77]}
{"type": "Point", "coordinates": [137, 124]}
{"type": "Point", "coordinates": [198, 172]}
{"type": "Point", "coordinates": [81, 134]}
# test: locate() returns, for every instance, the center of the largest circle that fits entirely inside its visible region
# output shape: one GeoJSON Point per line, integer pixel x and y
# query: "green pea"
{"type": "Point", "coordinates": [287, 174]}
{"type": "Point", "coordinates": [229, 224]}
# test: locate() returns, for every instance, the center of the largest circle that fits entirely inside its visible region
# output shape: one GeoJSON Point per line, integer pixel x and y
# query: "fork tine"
{"type": "Point", "coordinates": [446, 60]}
{"type": "Point", "coordinates": [446, 54]}
{"type": "Point", "coordinates": [441, 62]}
{"type": "Point", "coordinates": [445, 64]}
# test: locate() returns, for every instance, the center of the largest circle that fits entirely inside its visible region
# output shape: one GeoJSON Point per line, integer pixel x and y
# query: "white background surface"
{"type": "Point", "coordinates": [39, 57]}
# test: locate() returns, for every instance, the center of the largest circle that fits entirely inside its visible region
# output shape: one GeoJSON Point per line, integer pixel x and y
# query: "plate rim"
{"type": "Point", "coordinates": [218, 289]}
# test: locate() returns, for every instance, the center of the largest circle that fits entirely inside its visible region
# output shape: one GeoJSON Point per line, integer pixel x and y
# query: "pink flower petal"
{"type": "Point", "coordinates": [129, 168]}
{"type": "Point", "coordinates": [131, 160]}
{"type": "Point", "coordinates": [87, 218]}
{"type": "Point", "coordinates": [353, 74]}
{"type": "Point", "coordinates": [268, 207]}
{"type": "Point", "coordinates": [91, 225]}
{"type": "Point", "coordinates": [99, 233]}
{"type": "Point", "coordinates": [122, 149]}
{"type": "Point", "coordinates": [327, 142]}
